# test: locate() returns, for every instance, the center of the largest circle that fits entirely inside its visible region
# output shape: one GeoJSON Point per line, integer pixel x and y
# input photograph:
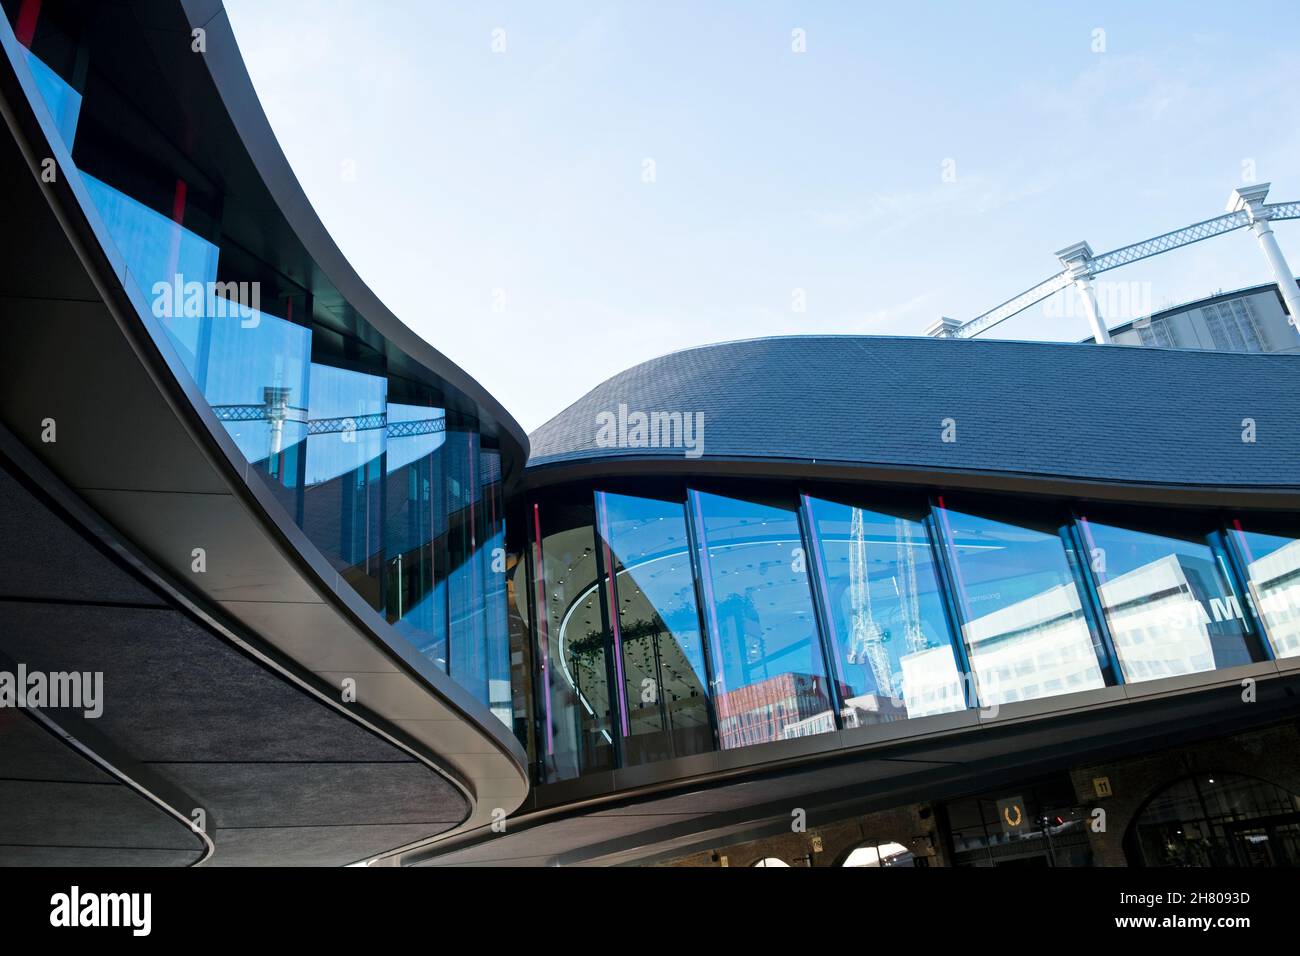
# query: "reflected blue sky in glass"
{"type": "Point", "coordinates": [467, 624]}
{"type": "Point", "coordinates": [157, 250]}
{"type": "Point", "coordinates": [767, 661]}
{"type": "Point", "coordinates": [648, 538]}
{"type": "Point", "coordinates": [63, 102]}
{"type": "Point", "coordinates": [344, 396]}
{"type": "Point", "coordinates": [888, 622]}
{"type": "Point", "coordinates": [262, 362]}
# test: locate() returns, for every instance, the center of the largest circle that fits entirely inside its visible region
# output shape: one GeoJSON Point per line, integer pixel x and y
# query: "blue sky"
{"type": "Point", "coordinates": [497, 201]}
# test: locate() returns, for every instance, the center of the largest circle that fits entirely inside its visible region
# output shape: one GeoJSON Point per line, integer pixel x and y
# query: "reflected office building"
{"type": "Point", "coordinates": [946, 597]}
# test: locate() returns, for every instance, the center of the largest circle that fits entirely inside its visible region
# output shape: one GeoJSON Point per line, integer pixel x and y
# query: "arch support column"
{"type": "Point", "coordinates": [1077, 260]}
{"type": "Point", "coordinates": [1250, 200]}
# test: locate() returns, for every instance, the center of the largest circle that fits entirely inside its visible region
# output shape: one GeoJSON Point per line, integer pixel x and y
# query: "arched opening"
{"type": "Point", "coordinates": [771, 861]}
{"type": "Point", "coordinates": [880, 854]}
{"type": "Point", "coordinates": [1213, 819]}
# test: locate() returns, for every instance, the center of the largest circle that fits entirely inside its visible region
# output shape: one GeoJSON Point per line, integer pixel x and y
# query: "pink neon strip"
{"type": "Point", "coordinates": [539, 612]}
{"type": "Point", "coordinates": [1241, 539]}
{"type": "Point", "coordinates": [25, 31]}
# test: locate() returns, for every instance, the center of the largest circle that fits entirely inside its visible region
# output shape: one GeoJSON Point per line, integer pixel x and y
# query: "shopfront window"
{"type": "Point", "coordinates": [1023, 621]}
{"type": "Point", "coordinates": [1272, 569]}
{"type": "Point", "coordinates": [767, 662]}
{"type": "Point", "coordinates": [880, 855]}
{"type": "Point", "coordinates": [657, 627]}
{"type": "Point", "coordinates": [1168, 601]}
{"type": "Point", "coordinates": [1217, 819]}
{"type": "Point", "coordinates": [894, 650]}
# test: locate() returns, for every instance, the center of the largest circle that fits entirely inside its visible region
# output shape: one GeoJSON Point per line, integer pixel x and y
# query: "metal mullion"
{"type": "Point", "coordinates": [1225, 543]}
{"type": "Point", "coordinates": [695, 541]}
{"type": "Point", "coordinates": [613, 637]}
{"type": "Point", "coordinates": [813, 561]}
{"type": "Point", "coordinates": [1075, 535]}
{"type": "Point", "coordinates": [950, 596]}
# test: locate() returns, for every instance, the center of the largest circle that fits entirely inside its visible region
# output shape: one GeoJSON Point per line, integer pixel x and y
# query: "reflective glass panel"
{"type": "Point", "coordinates": [490, 552]}
{"type": "Point", "coordinates": [1022, 618]}
{"type": "Point", "coordinates": [341, 501]}
{"type": "Point", "coordinates": [415, 528]}
{"type": "Point", "coordinates": [657, 628]}
{"type": "Point", "coordinates": [1168, 602]}
{"type": "Point", "coordinates": [1272, 565]}
{"type": "Point", "coordinates": [577, 729]}
{"type": "Point", "coordinates": [770, 680]}
{"type": "Point", "coordinates": [894, 649]}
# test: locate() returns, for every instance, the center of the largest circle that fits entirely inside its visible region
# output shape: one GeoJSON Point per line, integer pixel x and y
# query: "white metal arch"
{"type": "Point", "coordinates": [1246, 208]}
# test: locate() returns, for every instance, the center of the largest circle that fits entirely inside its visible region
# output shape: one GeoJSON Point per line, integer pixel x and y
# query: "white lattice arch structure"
{"type": "Point", "coordinates": [1246, 207]}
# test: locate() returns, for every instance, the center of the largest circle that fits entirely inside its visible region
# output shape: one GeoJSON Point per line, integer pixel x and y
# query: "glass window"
{"type": "Point", "coordinates": [894, 650]}
{"type": "Point", "coordinates": [345, 447]}
{"type": "Point", "coordinates": [1169, 605]}
{"type": "Point", "coordinates": [467, 624]}
{"type": "Point", "coordinates": [770, 680]}
{"type": "Point", "coordinates": [1272, 566]}
{"type": "Point", "coordinates": [657, 627]}
{"type": "Point", "coordinates": [478, 629]}
{"type": "Point", "coordinates": [415, 527]}
{"type": "Point", "coordinates": [522, 644]}
{"type": "Point", "coordinates": [880, 855]}
{"type": "Point", "coordinates": [1022, 617]}
{"type": "Point", "coordinates": [577, 732]}
{"type": "Point", "coordinates": [1029, 824]}
{"type": "Point", "coordinates": [1214, 819]}
{"type": "Point", "coordinates": [491, 553]}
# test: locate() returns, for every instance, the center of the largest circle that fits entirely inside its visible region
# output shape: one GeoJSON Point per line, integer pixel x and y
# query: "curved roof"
{"type": "Point", "coordinates": [1114, 414]}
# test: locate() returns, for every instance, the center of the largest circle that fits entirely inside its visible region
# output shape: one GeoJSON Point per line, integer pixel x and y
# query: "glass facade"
{"type": "Point", "coordinates": [383, 466]}
{"type": "Point", "coordinates": [626, 623]}
{"type": "Point", "coordinates": [660, 620]}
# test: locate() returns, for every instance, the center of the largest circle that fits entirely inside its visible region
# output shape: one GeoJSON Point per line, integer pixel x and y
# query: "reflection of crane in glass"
{"type": "Point", "coordinates": [866, 637]}
{"type": "Point", "coordinates": [910, 598]}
